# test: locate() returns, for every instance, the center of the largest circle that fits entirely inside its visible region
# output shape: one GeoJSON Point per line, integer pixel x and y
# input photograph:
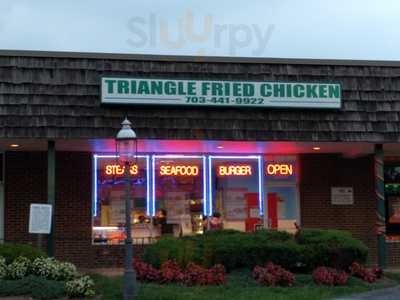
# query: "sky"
{"type": "Point", "coordinates": [330, 29]}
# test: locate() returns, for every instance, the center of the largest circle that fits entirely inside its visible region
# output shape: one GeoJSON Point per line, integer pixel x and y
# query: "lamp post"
{"type": "Point", "coordinates": [126, 146]}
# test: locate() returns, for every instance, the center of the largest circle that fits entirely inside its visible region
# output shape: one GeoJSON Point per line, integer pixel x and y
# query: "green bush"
{"type": "Point", "coordinates": [53, 269]}
{"type": "Point", "coordinates": [235, 250]}
{"type": "Point", "coordinates": [19, 268]}
{"type": "Point", "coordinates": [11, 251]}
{"type": "Point", "coordinates": [36, 287]}
{"type": "Point", "coordinates": [80, 287]}
{"type": "Point", "coordinates": [3, 268]}
{"type": "Point", "coordinates": [331, 248]}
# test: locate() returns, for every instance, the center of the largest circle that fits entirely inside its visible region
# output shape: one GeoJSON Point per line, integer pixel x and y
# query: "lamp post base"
{"type": "Point", "coordinates": [129, 284]}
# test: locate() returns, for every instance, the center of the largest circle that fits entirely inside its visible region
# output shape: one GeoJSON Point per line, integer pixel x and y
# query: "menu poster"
{"type": "Point", "coordinates": [176, 206]}
{"type": "Point", "coordinates": [117, 207]}
{"type": "Point", "coordinates": [40, 218]}
{"type": "Point", "coordinates": [235, 204]}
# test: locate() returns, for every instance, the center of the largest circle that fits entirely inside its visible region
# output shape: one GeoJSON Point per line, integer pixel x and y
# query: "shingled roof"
{"type": "Point", "coordinates": [57, 95]}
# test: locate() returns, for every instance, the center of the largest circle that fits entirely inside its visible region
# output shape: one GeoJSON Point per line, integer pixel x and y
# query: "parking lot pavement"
{"type": "Point", "coordinates": [385, 294]}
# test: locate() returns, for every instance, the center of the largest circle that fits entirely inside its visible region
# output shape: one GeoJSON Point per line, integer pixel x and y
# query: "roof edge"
{"type": "Point", "coordinates": [199, 59]}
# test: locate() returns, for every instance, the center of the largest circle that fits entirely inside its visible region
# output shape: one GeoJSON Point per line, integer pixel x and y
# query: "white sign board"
{"type": "Point", "coordinates": [40, 218]}
{"type": "Point", "coordinates": [116, 90]}
{"type": "Point", "coordinates": [342, 196]}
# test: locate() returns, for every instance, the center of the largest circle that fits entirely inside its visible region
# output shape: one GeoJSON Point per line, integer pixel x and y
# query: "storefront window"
{"type": "Point", "coordinates": [392, 197]}
{"type": "Point", "coordinates": [109, 201]}
{"type": "Point", "coordinates": [178, 193]}
{"type": "Point", "coordinates": [235, 192]}
{"type": "Point", "coordinates": [281, 202]}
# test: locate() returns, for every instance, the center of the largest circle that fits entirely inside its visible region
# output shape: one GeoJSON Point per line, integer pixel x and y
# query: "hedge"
{"type": "Point", "coordinates": [11, 251]}
{"type": "Point", "coordinates": [36, 287]}
{"type": "Point", "coordinates": [301, 252]}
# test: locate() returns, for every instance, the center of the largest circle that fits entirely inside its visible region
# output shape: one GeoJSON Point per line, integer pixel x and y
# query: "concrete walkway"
{"type": "Point", "coordinates": [384, 294]}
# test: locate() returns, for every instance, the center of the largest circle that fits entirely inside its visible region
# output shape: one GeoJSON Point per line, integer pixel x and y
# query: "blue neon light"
{"type": "Point", "coordinates": [205, 198]}
{"type": "Point", "coordinates": [260, 186]}
{"type": "Point", "coordinates": [147, 187]}
{"type": "Point", "coordinates": [210, 188]}
{"type": "Point", "coordinates": [95, 180]}
{"type": "Point", "coordinates": [94, 212]}
{"type": "Point", "coordinates": [153, 187]}
{"type": "Point", "coordinates": [177, 156]}
{"type": "Point", "coordinates": [260, 177]}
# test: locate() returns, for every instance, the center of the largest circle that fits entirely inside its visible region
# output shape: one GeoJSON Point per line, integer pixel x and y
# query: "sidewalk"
{"type": "Point", "coordinates": [384, 294]}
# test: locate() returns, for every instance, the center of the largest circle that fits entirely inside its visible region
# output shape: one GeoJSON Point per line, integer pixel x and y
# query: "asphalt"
{"type": "Point", "coordinates": [384, 294]}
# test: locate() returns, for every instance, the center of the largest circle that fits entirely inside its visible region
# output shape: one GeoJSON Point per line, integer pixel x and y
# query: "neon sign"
{"type": "Point", "coordinates": [235, 170]}
{"type": "Point", "coordinates": [119, 170]}
{"type": "Point", "coordinates": [280, 169]}
{"type": "Point", "coordinates": [179, 170]}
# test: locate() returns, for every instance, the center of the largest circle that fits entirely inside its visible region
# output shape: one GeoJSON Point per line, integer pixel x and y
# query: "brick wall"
{"type": "Point", "coordinates": [318, 174]}
{"type": "Point", "coordinates": [26, 182]}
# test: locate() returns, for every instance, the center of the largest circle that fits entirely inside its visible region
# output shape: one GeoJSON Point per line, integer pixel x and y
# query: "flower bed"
{"type": "Point", "coordinates": [302, 252]}
{"type": "Point", "coordinates": [44, 278]}
{"type": "Point", "coordinates": [171, 272]}
{"type": "Point", "coordinates": [368, 275]}
{"type": "Point", "coordinates": [329, 276]}
{"type": "Point", "coordinates": [273, 275]}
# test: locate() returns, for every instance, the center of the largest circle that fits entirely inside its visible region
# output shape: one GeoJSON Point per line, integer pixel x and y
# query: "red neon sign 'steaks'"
{"type": "Point", "coordinates": [119, 170]}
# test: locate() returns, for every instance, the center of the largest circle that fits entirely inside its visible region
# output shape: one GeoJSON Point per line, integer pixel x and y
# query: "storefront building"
{"type": "Point", "coordinates": [263, 143]}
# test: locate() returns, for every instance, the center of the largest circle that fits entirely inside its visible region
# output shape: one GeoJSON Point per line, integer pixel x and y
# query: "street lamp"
{"type": "Point", "coordinates": [126, 148]}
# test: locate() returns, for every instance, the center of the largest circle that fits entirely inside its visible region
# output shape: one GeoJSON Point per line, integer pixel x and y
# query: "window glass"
{"type": "Point", "coordinates": [109, 201]}
{"type": "Point", "coordinates": [178, 194]}
{"type": "Point", "coordinates": [281, 202]}
{"type": "Point", "coordinates": [282, 207]}
{"type": "Point", "coordinates": [392, 197]}
{"type": "Point", "coordinates": [235, 186]}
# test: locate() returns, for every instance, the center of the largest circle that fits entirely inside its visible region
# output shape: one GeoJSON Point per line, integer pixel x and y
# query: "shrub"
{"type": "Point", "coordinates": [331, 248]}
{"type": "Point", "coordinates": [80, 287]}
{"type": "Point", "coordinates": [45, 267]}
{"type": "Point", "coordinates": [3, 268]}
{"type": "Point", "coordinates": [273, 275]}
{"type": "Point", "coordinates": [146, 272]}
{"type": "Point", "coordinates": [329, 276]}
{"type": "Point", "coordinates": [18, 268]}
{"type": "Point", "coordinates": [11, 251]}
{"type": "Point", "coordinates": [67, 271]}
{"type": "Point", "coordinates": [167, 248]}
{"type": "Point", "coordinates": [377, 271]}
{"type": "Point", "coordinates": [216, 275]}
{"type": "Point", "coordinates": [197, 275]}
{"type": "Point", "coordinates": [52, 269]}
{"type": "Point", "coordinates": [363, 273]}
{"type": "Point", "coordinates": [37, 287]}
{"type": "Point", "coordinates": [236, 250]}
{"type": "Point", "coordinates": [273, 235]}
{"type": "Point", "coordinates": [171, 272]}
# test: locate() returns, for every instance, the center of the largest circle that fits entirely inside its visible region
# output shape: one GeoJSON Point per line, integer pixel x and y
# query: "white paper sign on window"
{"type": "Point", "coordinates": [40, 218]}
{"type": "Point", "coordinates": [342, 196]}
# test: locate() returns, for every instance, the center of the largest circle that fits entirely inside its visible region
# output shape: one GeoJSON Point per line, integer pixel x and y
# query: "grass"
{"type": "Point", "coordinates": [239, 286]}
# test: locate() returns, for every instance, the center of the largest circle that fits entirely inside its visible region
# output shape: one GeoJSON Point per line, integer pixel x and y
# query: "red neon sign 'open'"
{"type": "Point", "coordinates": [280, 169]}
